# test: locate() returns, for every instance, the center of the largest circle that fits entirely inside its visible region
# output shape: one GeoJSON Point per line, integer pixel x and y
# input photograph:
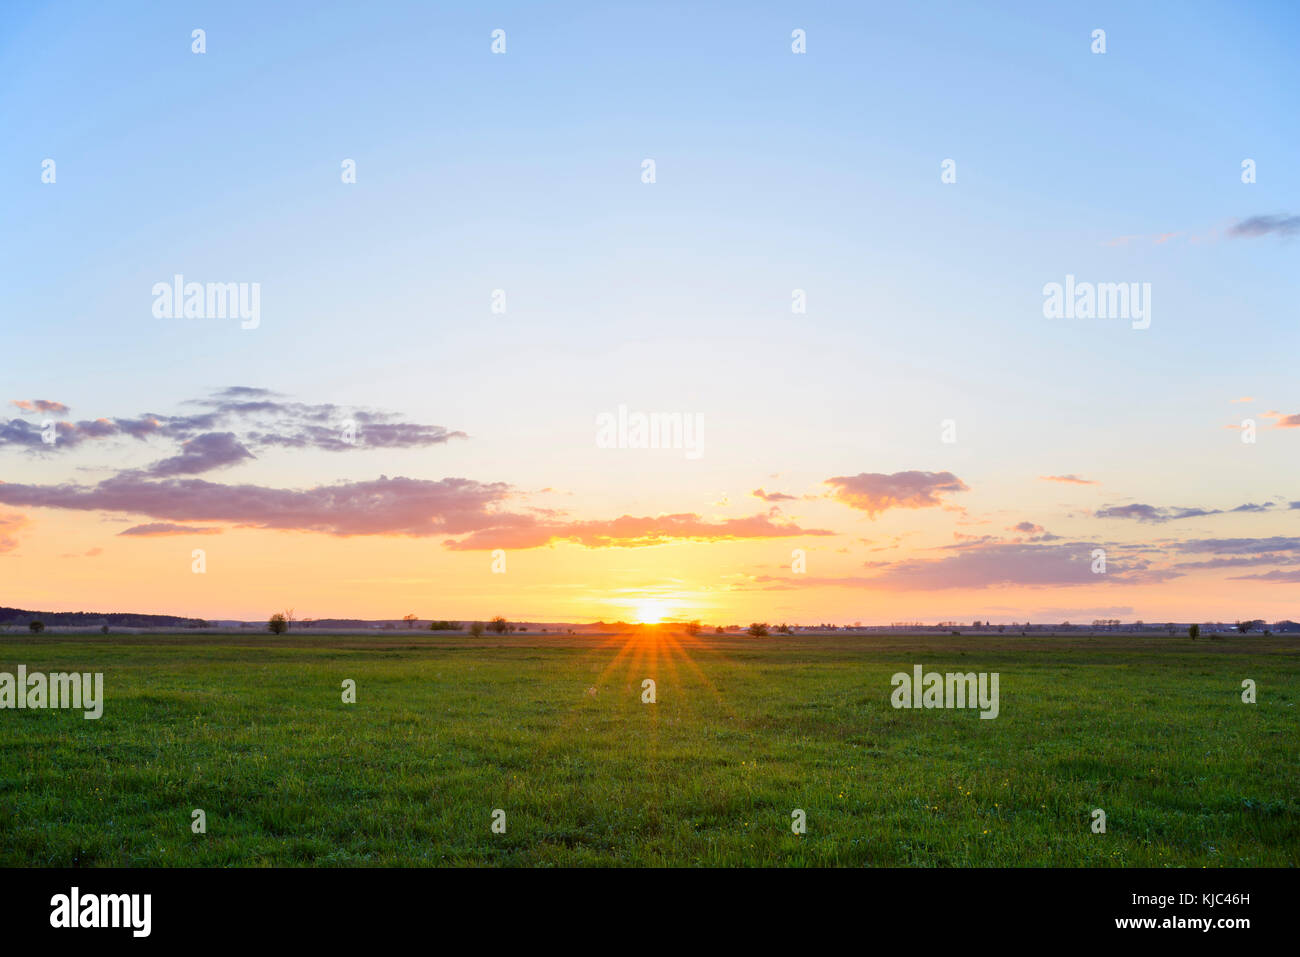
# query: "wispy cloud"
{"type": "Point", "coordinates": [256, 417]}
{"type": "Point", "coordinates": [1282, 420]}
{"type": "Point", "coordinates": [40, 405]}
{"type": "Point", "coordinates": [1277, 576]}
{"type": "Point", "coordinates": [1276, 225]}
{"type": "Point", "coordinates": [631, 531]}
{"type": "Point", "coordinates": [1067, 479]}
{"type": "Point", "coordinates": [989, 566]}
{"type": "Point", "coordinates": [158, 529]}
{"type": "Point", "coordinates": [1156, 515]}
{"type": "Point", "coordinates": [10, 524]}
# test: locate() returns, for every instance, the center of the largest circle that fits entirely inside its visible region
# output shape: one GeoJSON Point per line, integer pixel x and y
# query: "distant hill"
{"type": "Point", "coordinates": [17, 616]}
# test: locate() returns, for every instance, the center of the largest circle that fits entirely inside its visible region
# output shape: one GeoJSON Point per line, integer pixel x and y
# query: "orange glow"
{"type": "Point", "coordinates": [652, 611]}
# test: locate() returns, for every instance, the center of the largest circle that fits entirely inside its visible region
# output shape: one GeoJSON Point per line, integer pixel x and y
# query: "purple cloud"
{"type": "Point", "coordinates": [211, 450]}
{"type": "Point", "coordinates": [875, 492]}
{"type": "Point", "coordinates": [1252, 226]}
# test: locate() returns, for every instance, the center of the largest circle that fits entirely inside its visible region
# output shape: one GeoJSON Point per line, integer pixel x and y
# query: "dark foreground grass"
{"type": "Point", "coordinates": [552, 731]}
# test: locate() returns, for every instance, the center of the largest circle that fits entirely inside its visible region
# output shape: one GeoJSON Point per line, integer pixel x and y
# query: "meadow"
{"type": "Point", "coordinates": [552, 730]}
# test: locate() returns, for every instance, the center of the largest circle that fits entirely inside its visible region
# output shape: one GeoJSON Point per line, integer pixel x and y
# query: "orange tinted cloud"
{"type": "Point", "coordinates": [40, 405]}
{"type": "Point", "coordinates": [876, 492]}
{"type": "Point", "coordinates": [630, 531]}
{"type": "Point", "coordinates": [10, 523]}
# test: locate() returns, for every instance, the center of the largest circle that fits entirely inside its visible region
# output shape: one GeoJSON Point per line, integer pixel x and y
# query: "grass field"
{"type": "Point", "coordinates": [552, 730]}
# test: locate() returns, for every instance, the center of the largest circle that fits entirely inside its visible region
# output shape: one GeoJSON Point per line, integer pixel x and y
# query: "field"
{"type": "Point", "coordinates": [553, 731]}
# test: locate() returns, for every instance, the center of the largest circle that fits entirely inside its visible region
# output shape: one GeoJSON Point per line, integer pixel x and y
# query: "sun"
{"type": "Point", "coordinates": [651, 611]}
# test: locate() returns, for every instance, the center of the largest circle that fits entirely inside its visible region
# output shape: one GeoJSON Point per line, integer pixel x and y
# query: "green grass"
{"type": "Point", "coordinates": [447, 728]}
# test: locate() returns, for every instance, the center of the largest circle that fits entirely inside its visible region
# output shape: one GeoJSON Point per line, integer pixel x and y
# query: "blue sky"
{"type": "Point", "coordinates": [774, 172]}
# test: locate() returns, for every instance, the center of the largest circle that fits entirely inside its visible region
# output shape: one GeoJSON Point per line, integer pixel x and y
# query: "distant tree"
{"type": "Point", "coordinates": [757, 630]}
{"type": "Point", "coordinates": [278, 624]}
{"type": "Point", "coordinates": [783, 629]}
{"type": "Point", "coordinates": [444, 625]}
{"type": "Point", "coordinates": [1193, 631]}
{"type": "Point", "coordinates": [1247, 625]}
{"type": "Point", "coordinates": [692, 628]}
{"type": "Point", "coordinates": [36, 626]}
{"type": "Point", "coordinates": [719, 631]}
{"type": "Point", "coordinates": [103, 629]}
{"type": "Point", "coordinates": [476, 629]}
{"type": "Point", "coordinates": [410, 620]}
{"type": "Point", "coordinates": [499, 625]}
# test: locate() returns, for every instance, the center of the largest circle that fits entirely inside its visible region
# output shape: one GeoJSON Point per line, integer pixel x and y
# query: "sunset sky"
{"type": "Point", "coordinates": [823, 430]}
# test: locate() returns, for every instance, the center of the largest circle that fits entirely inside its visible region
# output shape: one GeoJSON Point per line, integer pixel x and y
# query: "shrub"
{"type": "Point", "coordinates": [1193, 631]}
{"type": "Point", "coordinates": [444, 626]}
{"type": "Point", "coordinates": [476, 629]}
{"type": "Point", "coordinates": [499, 625]}
{"type": "Point", "coordinates": [757, 630]}
{"type": "Point", "coordinates": [36, 626]}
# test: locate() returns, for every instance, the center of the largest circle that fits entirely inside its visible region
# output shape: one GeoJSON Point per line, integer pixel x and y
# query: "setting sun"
{"type": "Point", "coordinates": [651, 611]}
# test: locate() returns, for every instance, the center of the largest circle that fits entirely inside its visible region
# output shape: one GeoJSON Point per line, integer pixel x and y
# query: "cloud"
{"type": "Point", "coordinates": [1238, 546]}
{"type": "Point", "coordinates": [155, 529]}
{"type": "Point", "coordinates": [1240, 562]}
{"type": "Point", "coordinates": [876, 492]}
{"type": "Point", "coordinates": [991, 566]}
{"type": "Point", "coordinates": [772, 496]}
{"type": "Point", "coordinates": [396, 506]}
{"type": "Point", "coordinates": [1284, 421]}
{"type": "Point", "coordinates": [1029, 528]}
{"type": "Point", "coordinates": [387, 506]}
{"type": "Point", "coordinates": [1277, 576]}
{"type": "Point", "coordinates": [41, 405]}
{"type": "Point", "coordinates": [255, 416]}
{"type": "Point", "coordinates": [10, 524]}
{"type": "Point", "coordinates": [1252, 226]}
{"type": "Point", "coordinates": [1068, 479]}
{"type": "Point", "coordinates": [1156, 515]}
{"type": "Point", "coordinates": [211, 450]}
{"type": "Point", "coordinates": [631, 531]}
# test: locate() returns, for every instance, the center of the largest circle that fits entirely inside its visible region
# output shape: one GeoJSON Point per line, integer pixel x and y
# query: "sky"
{"type": "Point", "coordinates": [839, 271]}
